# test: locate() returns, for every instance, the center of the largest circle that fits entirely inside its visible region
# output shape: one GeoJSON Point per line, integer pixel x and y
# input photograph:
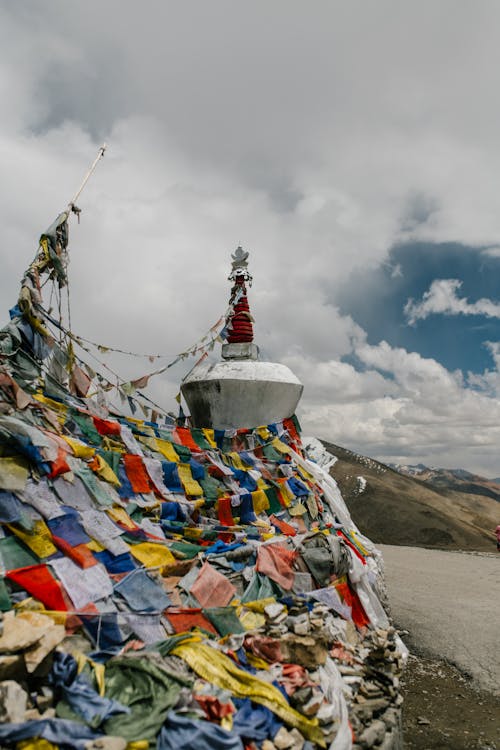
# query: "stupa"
{"type": "Point", "coordinates": [240, 390]}
{"type": "Point", "coordinates": [154, 579]}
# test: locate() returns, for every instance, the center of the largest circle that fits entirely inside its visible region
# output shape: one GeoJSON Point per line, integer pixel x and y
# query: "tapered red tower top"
{"type": "Point", "coordinates": [240, 391]}
{"type": "Point", "coordinates": [239, 322]}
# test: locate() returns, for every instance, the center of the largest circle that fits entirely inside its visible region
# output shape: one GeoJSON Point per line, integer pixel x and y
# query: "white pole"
{"type": "Point", "coordinates": [99, 156]}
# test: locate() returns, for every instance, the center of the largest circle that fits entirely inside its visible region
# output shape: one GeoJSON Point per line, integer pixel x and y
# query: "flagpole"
{"type": "Point", "coordinates": [71, 205]}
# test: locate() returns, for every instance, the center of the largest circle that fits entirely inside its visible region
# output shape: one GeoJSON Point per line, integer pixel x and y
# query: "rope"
{"type": "Point", "coordinates": [104, 348]}
{"type": "Point", "coordinates": [199, 346]}
{"type": "Point", "coordinates": [68, 302]}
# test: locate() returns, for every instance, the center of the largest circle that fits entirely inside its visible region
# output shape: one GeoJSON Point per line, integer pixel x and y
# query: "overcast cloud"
{"type": "Point", "coordinates": [317, 135]}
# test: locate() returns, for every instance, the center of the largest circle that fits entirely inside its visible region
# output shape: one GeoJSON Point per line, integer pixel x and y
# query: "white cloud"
{"type": "Point", "coordinates": [442, 298]}
{"type": "Point", "coordinates": [404, 406]}
{"type": "Point", "coordinates": [492, 252]}
{"type": "Point", "coordinates": [260, 124]}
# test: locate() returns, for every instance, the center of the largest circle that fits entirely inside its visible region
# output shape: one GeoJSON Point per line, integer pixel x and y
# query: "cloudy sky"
{"type": "Point", "coordinates": [352, 147]}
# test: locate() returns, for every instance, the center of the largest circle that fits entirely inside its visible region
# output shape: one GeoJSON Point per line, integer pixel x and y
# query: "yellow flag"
{"type": "Point", "coordinates": [152, 555]}
{"type": "Point", "coordinates": [280, 446]}
{"type": "Point", "coordinates": [81, 450]}
{"type": "Point", "coordinates": [106, 472]}
{"type": "Point", "coordinates": [209, 436]}
{"type": "Point", "coordinates": [39, 540]}
{"type": "Point", "coordinates": [166, 449]}
{"type": "Point", "coordinates": [260, 501]}
{"type": "Point", "coordinates": [191, 486]}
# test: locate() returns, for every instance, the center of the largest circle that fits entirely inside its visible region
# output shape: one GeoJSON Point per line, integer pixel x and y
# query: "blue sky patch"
{"type": "Point", "coordinates": [376, 300]}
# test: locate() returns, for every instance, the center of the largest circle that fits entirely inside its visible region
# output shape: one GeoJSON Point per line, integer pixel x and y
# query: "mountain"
{"type": "Point", "coordinates": [453, 479]}
{"type": "Point", "coordinates": [401, 507]}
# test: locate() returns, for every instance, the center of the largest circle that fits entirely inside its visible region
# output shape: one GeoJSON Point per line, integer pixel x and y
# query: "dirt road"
{"type": "Point", "coordinates": [450, 604]}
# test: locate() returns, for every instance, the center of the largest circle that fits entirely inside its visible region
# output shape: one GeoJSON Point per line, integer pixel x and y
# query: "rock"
{"type": "Point", "coordinates": [346, 669]}
{"type": "Point", "coordinates": [373, 734]}
{"type": "Point", "coordinates": [299, 623]}
{"type": "Point", "coordinates": [17, 634]}
{"type": "Point", "coordinates": [301, 627]}
{"type": "Point", "coordinates": [76, 643]}
{"type": "Point", "coordinates": [391, 718]}
{"type": "Point", "coordinates": [370, 706]}
{"type": "Point", "coordinates": [275, 611]}
{"type": "Point", "coordinates": [326, 714]}
{"type": "Point", "coordinates": [371, 690]}
{"type": "Point", "coordinates": [13, 702]}
{"type": "Point", "coordinates": [303, 650]}
{"type": "Point", "coordinates": [301, 696]}
{"type": "Point", "coordinates": [312, 706]}
{"type": "Point", "coordinates": [288, 740]}
{"type": "Point", "coordinates": [32, 633]}
{"type": "Point", "coordinates": [423, 720]}
{"type": "Point", "coordinates": [389, 742]}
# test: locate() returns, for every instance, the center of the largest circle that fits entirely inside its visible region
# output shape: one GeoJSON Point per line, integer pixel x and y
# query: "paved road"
{"type": "Point", "coordinates": [450, 604]}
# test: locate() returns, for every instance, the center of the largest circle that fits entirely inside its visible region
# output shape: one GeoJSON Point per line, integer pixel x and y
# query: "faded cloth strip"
{"type": "Point", "coordinates": [275, 561]}
{"type": "Point", "coordinates": [212, 588]}
{"type": "Point", "coordinates": [82, 586]}
{"type": "Point", "coordinates": [218, 669]}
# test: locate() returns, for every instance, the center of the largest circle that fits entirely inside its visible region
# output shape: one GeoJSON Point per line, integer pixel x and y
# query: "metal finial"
{"type": "Point", "coordinates": [239, 266]}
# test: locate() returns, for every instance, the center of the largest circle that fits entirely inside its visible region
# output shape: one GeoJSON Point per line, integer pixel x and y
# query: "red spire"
{"type": "Point", "coordinates": [240, 319]}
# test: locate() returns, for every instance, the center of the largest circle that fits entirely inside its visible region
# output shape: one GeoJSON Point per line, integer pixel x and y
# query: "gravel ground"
{"type": "Point", "coordinates": [443, 711]}
{"type": "Point", "coordinates": [448, 606]}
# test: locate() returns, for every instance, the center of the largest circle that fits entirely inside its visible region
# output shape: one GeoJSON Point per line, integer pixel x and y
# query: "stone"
{"type": "Point", "coordinates": [373, 734]}
{"type": "Point", "coordinates": [33, 633]}
{"type": "Point", "coordinates": [276, 612]}
{"type": "Point", "coordinates": [76, 643]}
{"type": "Point", "coordinates": [389, 742]}
{"type": "Point", "coordinates": [370, 706]}
{"type": "Point", "coordinates": [371, 690]}
{"type": "Point", "coordinates": [311, 708]}
{"type": "Point", "coordinates": [288, 739]}
{"type": "Point", "coordinates": [18, 634]}
{"type": "Point", "coordinates": [13, 702]}
{"type": "Point", "coordinates": [391, 718]}
{"type": "Point", "coordinates": [299, 624]}
{"type": "Point", "coordinates": [304, 650]}
{"type": "Point", "coordinates": [345, 669]}
{"type": "Point", "coordinates": [327, 714]}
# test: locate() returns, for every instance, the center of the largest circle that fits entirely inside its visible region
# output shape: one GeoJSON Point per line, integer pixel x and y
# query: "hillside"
{"type": "Point", "coordinates": [392, 508]}
{"type": "Point", "coordinates": [453, 479]}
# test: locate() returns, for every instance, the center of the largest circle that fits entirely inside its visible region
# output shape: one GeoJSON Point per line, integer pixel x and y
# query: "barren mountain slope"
{"type": "Point", "coordinates": [452, 479]}
{"type": "Point", "coordinates": [395, 509]}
